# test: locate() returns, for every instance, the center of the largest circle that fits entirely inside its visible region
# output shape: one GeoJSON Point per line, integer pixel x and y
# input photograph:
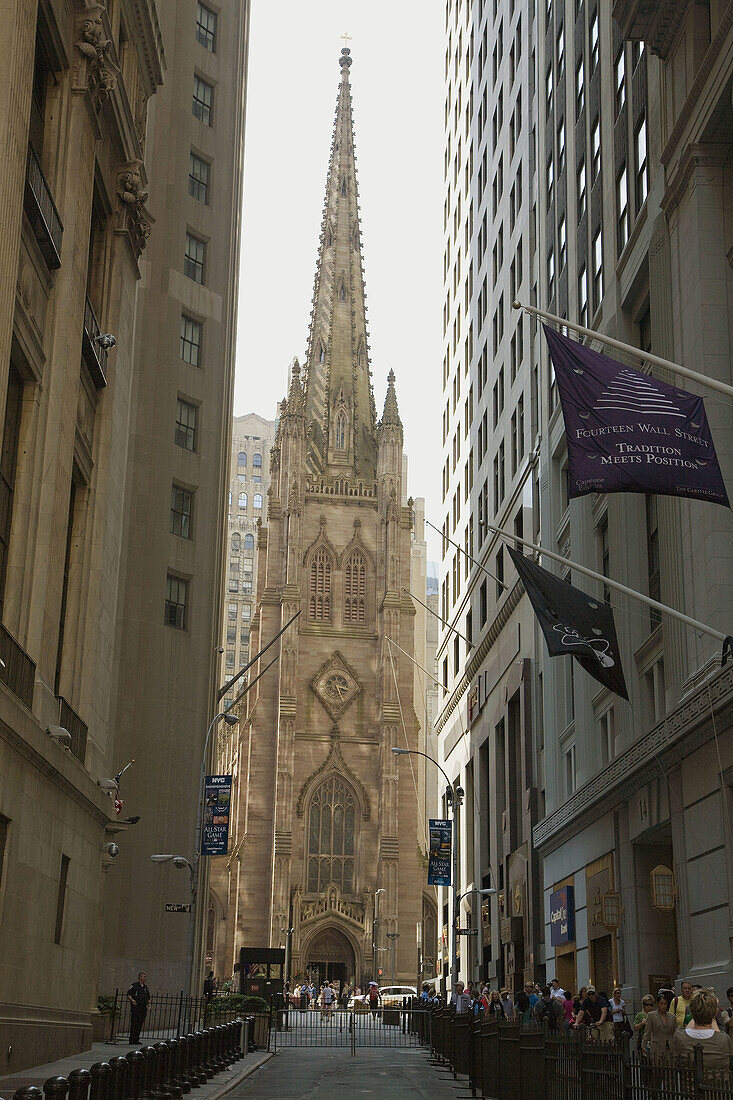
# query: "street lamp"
{"type": "Point", "coordinates": [288, 933]}
{"type": "Point", "coordinates": [393, 937]}
{"type": "Point", "coordinates": [454, 798]}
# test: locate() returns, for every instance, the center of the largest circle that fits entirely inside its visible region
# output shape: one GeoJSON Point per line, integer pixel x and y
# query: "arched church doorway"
{"type": "Point", "coordinates": [330, 957]}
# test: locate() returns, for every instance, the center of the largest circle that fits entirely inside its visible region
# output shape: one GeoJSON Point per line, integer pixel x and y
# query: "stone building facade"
{"type": "Point", "coordinates": [168, 637]}
{"type": "Point", "coordinates": [634, 133]}
{"type": "Point", "coordinates": [327, 814]}
{"type": "Point", "coordinates": [75, 83]}
{"type": "Point", "coordinates": [487, 720]}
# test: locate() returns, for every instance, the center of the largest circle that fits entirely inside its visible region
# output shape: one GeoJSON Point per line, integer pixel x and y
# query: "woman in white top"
{"type": "Point", "coordinates": [617, 1010]}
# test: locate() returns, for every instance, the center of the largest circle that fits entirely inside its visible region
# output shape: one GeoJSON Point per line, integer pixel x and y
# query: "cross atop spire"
{"type": "Point", "coordinates": [339, 401]}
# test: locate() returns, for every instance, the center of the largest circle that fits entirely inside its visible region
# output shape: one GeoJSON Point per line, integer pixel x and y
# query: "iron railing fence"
{"type": "Point", "coordinates": [530, 1063]}
{"type": "Point", "coordinates": [401, 1026]}
{"type": "Point", "coordinates": [168, 1015]}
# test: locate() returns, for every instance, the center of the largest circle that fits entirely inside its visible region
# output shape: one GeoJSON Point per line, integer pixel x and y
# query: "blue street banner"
{"type": "Point", "coordinates": [628, 432]}
{"type": "Point", "coordinates": [217, 803]}
{"type": "Point", "coordinates": [439, 858]}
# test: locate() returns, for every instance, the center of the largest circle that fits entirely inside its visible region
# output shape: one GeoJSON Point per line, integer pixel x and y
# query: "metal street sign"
{"type": "Point", "coordinates": [177, 908]}
{"type": "Point", "coordinates": [467, 932]}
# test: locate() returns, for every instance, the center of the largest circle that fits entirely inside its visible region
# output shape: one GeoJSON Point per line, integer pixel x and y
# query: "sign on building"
{"type": "Point", "coordinates": [562, 916]}
{"type": "Point", "coordinates": [217, 803]}
{"type": "Point", "coordinates": [439, 858]}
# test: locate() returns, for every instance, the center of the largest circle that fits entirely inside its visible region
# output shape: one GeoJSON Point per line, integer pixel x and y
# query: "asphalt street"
{"type": "Point", "coordinates": [390, 1074]}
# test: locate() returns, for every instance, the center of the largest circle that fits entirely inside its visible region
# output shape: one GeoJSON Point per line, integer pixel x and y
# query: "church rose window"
{"type": "Point", "coordinates": [331, 837]}
{"type": "Point", "coordinates": [355, 589]}
{"type": "Point", "coordinates": [320, 587]}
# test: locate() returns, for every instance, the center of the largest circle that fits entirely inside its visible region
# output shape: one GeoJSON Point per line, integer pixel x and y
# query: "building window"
{"type": "Point", "coordinates": [246, 614]}
{"type": "Point", "coordinates": [500, 572]}
{"type": "Point", "coordinates": [186, 424]}
{"type": "Point", "coordinates": [176, 597]}
{"type": "Point", "coordinates": [548, 90]}
{"type": "Point", "coordinates": [206, 21]}
{"type": "Point", "coordinates": [561, 244]}
{"type": "Point", "coordinates": [203, 98]}
{"type": "Point", "coordinates": [607, 731]}
{"type": "Point", "coordinates": [622, 203]}
{"type": "Point", "coordinates": [8, 466]}
{"type": "Point", "coordinates": [652, 555]}
{"type": "Point", "coordinates": [597, 270]}
{"type": "Point", "coordinates": [242, 459]}
{"type": "Point", "coordinates": [236, 542]}
{"type": "Point", "coordinates": [355, 589]}
{"type": "Point", "coordinates": [319, 604]}
{"type": "Point", "coordinates": [569, 758]}
{"type": "Point", "coordinates": [583, 297]}
{"type": "Point", "coordinates": [191, 332]}
{"type": "Point", "coordinates": [579, 89]}
{"type": "Point", "coordinates": [331, 837]}
{"type": "Point", "coordinates": [593, 39]}
{"type": "Point", "coordinates": [242, 502]}
{"type": "Point", "coordinates": [550, 182]}
{"type": "Point", "coordinates": [61, 898]}
{"type": "Point", "coordinates": [232, 610]}
{"type": "Point", "coordinates": [561, 148]}
{"type": "Point", "coordinates": [581, 190]}
{"type": "Point", "coordinates": [550, 274]}
{"type": "Point", "coordinates": [641, 165]}
{"type": "Point", "coordinates": [181, 509]}
{"type": "Point", "coordinates": [257, 501]}
{"type": "Point", "coordinates": [340, 432]}
{"type": "Point", "coordinates": [249, 542]}
{"type": "Point", "coordinates": [256, 460]}
{"type": "Point", "coordinates": [595, 141]}
{"type": "Point", "coordinates": [560, 51]}
{"type": "Point", "coordinates": [483, 604]}
{"type": "Point", "coordinates": [619, 79]}
{"type": "Point", "coordinates": [198, 178]}
{"type": "Point", "coordinates": [193, 263]}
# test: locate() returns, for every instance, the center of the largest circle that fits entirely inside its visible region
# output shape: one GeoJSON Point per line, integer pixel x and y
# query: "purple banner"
{"type": "Point", "coordinates": [630, 433]}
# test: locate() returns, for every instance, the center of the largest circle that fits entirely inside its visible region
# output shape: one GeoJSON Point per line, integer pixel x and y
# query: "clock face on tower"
{"type": "Point", "coordinates": [335, 685]}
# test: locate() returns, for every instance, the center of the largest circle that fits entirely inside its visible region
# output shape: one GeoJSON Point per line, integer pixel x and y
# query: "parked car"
{"type": "Point", "coordinates": [393, 995]}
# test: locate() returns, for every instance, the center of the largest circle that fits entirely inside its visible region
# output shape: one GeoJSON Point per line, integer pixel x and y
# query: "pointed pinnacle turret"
{"type": "Point", "coordinates": [391, 414]}
{"type": "Point", "coordinates": [339, 401]}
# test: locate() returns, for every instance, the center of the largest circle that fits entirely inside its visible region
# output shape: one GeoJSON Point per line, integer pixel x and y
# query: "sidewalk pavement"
{"type": "Point", "coordinates": [217, 1087]}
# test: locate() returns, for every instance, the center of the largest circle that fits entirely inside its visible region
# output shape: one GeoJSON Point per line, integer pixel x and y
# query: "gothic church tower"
{"type": "Point", "coordinates": [331, 814]}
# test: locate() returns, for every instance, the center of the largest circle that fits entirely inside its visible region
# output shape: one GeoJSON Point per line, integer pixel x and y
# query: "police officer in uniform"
{"type": "Point", "coordinates": [138, 995]}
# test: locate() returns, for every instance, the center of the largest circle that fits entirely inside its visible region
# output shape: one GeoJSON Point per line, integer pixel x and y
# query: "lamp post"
{"type": "Point", "coordinates": [179, 862]}
{"type": "Point", "coordinates": [288, 933]}
{"type": "Point", "coordinates": [375, 927]}
{"type": "Point", "coordinates": [454, 798]}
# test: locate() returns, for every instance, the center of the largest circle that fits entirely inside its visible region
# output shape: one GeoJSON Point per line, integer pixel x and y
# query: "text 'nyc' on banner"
{"type": "Point", "coordinates": [439, 857]}
{"type": "Point", "coordinates": [217, 803]}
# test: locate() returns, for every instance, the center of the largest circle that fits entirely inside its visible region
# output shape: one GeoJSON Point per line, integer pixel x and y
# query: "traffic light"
{"type": "Point", "coordinates": [379, 972]}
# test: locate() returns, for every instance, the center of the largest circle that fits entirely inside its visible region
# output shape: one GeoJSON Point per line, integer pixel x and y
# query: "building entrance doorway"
{"type": "Point", "coordinates": [330, 957]}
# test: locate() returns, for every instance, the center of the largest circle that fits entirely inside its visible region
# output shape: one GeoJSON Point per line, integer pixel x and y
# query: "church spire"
{"type": "Point", "coordinates": [338, 394]}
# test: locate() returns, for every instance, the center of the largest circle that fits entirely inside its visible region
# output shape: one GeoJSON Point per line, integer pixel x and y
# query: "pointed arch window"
{"type": "Point", "coordinates": [321, 352]}
{"type": "Point", "coordinates": [331, 828]}
{"type": "Point", "coordinates": [319, 602]}
{"type": "Point", "coordinates": [341, 432]}
{"type": "Point", "coordinates": [343, 186]}
{"type": "Point", "coordinates": [355, 589]}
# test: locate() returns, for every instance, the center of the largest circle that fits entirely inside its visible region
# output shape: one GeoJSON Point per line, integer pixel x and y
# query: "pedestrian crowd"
{"type": "Point", "coordinates": [666, 1022]}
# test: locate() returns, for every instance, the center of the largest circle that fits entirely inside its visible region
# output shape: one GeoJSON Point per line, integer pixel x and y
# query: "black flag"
{"type": "Point", "coordinates": [573, 623]}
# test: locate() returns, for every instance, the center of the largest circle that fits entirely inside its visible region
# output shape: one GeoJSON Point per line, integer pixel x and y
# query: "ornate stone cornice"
{"type": "Point", "coordinates": [671, 740]}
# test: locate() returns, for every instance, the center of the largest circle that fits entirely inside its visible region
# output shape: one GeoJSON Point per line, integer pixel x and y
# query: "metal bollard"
{"type": "Point", "coordinates": [136, 1062]}
{"type": "Point", "coordinates": [216, 1048]}
{"type": "Point", "coordinates": [227, 1048]}
{"type": "Point", "coordinates": [148, 1072]}
{"type": "Point", "coordinates": [221, 1053]}
{"type": "Point", "coordinates": [28, 1092]}
{"type": "Point", "coordinates": [56, 1088]}
{"type": "Point", "coordinates": [206, 1065]}
{"type": "Point", "coordinates": [119, 1067]}
{"type": "Point", "coordinates": [79, 1082]}
{"type": "Point", "coordinates": [183, 1074]}
{"type": "Point", "coordinates": [101, 1074]}
{"type": "Point", "coordinates": [161, 1065]}
{"type": "Point", "coordinates": [178, 1068]}
{"type": "Point", "coordinates": [191, 1071]}
{"type": "Point", "coordinates": [196, 1071]}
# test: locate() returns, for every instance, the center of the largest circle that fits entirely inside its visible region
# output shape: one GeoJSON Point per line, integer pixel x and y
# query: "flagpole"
{"type": "Point", "coordinates": [437, 616]}
{"type": "Point", "coordinates": [647, 357]}
{"type": "Point", "coordinates": [614, 584]}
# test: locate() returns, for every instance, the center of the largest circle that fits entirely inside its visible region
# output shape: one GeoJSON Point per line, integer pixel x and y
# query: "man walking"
{"type": "Point", "coordinates": [460, 1000]}
{"type": "Point", "coordinates": [138, 995]}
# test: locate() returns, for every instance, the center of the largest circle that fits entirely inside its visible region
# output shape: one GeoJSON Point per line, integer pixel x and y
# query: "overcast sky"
{"type": "Point", "coordinates": [397, 90]}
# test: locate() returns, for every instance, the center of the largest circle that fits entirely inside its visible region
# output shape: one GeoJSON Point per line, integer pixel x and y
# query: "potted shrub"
{"type": "Point", "coordinates": [103, 1019]}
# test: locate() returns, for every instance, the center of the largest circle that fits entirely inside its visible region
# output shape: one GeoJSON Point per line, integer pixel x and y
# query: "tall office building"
{"type": "Point", "coordinates": [634, 136]}
{"type": "Point", "coordinates": [488, 717]}
{"type": "Point", "coordinates": [75, 85]}
{"type": "Point", "coordinates": [249, 481]}
{"type": "Point", "coordinates": [174, 533]}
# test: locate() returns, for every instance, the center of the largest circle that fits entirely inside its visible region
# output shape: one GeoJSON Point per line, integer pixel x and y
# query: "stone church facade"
{"type": "Point", "coordinates": [327, 817]}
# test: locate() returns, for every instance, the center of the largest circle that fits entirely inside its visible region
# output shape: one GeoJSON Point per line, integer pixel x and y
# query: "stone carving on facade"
{"type": "Point", "coordinates": [131, 215]}
{"type": "Point", "coordinates": [94, 68]}
{"type": "Point", "coordinates": [334, 762]}
{"type": "Point", "coordinates": [331, 904]}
